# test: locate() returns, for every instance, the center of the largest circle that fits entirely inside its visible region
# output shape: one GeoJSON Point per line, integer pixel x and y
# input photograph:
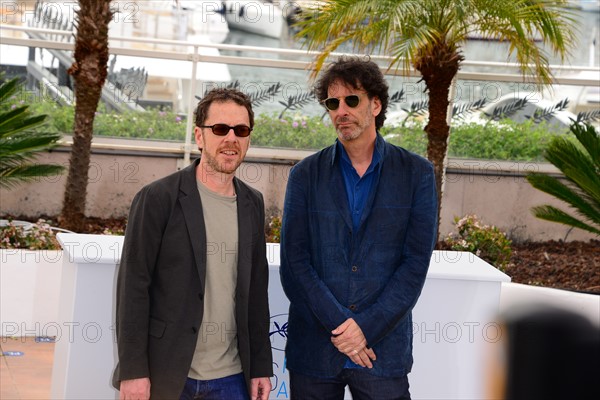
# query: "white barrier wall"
{"type": "Point", "coordinates": [85, 354]}
{"type": "Point", "coordinates": [29, 291]}
{"type": "Point", "coordinates": [453, 322]}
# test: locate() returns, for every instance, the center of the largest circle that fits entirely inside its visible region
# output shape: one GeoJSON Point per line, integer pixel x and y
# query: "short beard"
{"type": "Point", "coordinates": [215, 166]}
{"type": "Point", "coordinates": [358, 130]}
{"type": "Point", "coordinates": [354, 133]}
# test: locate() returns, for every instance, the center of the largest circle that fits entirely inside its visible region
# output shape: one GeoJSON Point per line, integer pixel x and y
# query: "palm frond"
{"type": "Point", "coordinates": [587, 135]}
{"type": "Point", "coordinates": [548, 112]}
{"type": "Point", "coordinates": [25, 143]}
{"type": "Point", "coordinates": [397, 97]}
{"type": "Point", "coordinates": [577, 164]}
{"type": "Point", "coordinates": [17, 120]}
{"type": "Point", "coordinates": [8, 89]}
{"type": "Point", "coordinates": [569, 194]}
{"type": "Point", "coordinates": [508, 110]}
{"type": "Point", "coordinates": [12, 177]}
{"type": "Point", "coordinates": [460, 110]}
{"type": "Point", "coordinates": [257, 98]}
{"type": "Point", "coordinates": [588, 116]}
{"type": "Point", "coordinates": [296, 101]}
{"type": "Point", "coordinates": [417, 108]}
{"type": "Point", "coordinates": [20, 144]}
{"type": "Point", "coordinates": [553, 214]}
{"type": "Point", "coordinates": [581, 168]}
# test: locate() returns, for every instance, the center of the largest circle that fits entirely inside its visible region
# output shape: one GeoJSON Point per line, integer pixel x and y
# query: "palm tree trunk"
{"type": "Point", "coordinates": [438, 81]}
{"type": "Point", "coordinates": [89, 71]}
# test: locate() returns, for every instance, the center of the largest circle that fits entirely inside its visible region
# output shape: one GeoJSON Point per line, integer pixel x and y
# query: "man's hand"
{"type": "Point", "coordinates": [349, 339]}
{"type": "Point", "coordinates": [260, 388]}
{"type": "Point", "coordinates": [135, 389]}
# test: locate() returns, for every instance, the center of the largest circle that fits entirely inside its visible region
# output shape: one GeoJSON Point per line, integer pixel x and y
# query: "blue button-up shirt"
{"type": "Point", "coordinates": [357, 187]}
{"type": "Point", "coordinates": [374, 273]}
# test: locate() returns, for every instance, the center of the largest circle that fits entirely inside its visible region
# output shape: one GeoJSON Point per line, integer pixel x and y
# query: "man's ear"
{"type": "Point", "coordinates": [199, 138]}
{"type": "Point", "coordinates": [376, 106]}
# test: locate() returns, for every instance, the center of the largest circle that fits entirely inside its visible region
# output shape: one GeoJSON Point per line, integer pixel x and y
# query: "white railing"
{"type": "Point", "coordinates": [290, 59]}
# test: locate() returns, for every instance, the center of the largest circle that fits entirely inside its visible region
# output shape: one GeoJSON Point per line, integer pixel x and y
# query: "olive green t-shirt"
{"type": "Point", "coordinates": [216, 354]}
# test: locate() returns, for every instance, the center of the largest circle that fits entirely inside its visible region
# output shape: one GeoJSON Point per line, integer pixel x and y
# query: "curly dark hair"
{"type": "Point", "coordinates": [222, 95]}
{"type": "Point", "coordinates": [360, 73]}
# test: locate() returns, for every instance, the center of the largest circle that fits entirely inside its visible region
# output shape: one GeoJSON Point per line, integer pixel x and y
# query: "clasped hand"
{"type": "Point", "coordinates": [349, 339]}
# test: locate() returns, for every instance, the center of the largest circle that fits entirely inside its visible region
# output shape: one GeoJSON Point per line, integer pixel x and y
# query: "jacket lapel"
{"type": "Point", "coordinates": [337, 191]}
{"type": "Point", "coordinates": [245, 237]}
{"type": "Point", "coordinates": [370, 199]}
{"type": "Point", "coordinates": [194, 219]}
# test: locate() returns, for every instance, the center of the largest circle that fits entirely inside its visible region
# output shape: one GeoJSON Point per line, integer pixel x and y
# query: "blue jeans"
{"type": "Point", "coordinates": [229, 388]}
{"type": "Point", "coordinates": [362, 384]}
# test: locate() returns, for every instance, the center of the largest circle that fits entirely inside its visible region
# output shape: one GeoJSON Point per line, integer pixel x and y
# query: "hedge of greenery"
{"type": "Point", "coordinates": [502, 141]}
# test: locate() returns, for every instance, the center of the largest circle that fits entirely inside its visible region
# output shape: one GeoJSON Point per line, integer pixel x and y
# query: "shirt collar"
{"type": "Point", "coordinates": [379, 149]}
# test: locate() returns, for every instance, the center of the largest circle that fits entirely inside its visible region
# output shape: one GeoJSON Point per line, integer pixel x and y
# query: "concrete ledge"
{"type": "Point", "coordinates": [496, 191]}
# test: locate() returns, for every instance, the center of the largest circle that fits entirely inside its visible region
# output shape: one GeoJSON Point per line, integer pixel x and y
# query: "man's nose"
{"type": "Point", "coordinates": [230, 135]}
{"type": "Point", "coordinates": [343, 107]}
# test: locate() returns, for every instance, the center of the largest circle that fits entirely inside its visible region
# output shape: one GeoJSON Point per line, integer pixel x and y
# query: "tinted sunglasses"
{"type": "Point", "coordinates": [223, 129]}
{"type": "Point", "coordinates": [333, 103]}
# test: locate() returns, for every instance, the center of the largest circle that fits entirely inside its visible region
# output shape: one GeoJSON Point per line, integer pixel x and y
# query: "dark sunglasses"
{"type": "Point", "coordinates": [223, 129]}
{"type": "Point", "coordinates": [333, 103]}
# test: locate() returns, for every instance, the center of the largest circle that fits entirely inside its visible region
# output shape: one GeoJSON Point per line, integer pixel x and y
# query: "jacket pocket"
{"type": "Point", "coordinates": [157, 328]}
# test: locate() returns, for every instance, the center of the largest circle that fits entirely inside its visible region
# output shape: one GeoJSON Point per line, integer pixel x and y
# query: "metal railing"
{"type": "Point", "coordinates": [285, 59]}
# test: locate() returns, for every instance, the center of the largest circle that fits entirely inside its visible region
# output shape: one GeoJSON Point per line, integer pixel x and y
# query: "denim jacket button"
{"type": "Point", "coordinates": [352, 307]}
{"type": "Point", "coordinates": [354, 268]}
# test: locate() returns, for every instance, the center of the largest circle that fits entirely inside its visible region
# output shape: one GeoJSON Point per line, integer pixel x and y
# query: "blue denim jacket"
{"type": "Point", "coordinates": [374, 274]}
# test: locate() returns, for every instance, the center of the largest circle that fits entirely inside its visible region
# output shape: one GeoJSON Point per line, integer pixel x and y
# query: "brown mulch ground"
{"type": "Point", "coordinates": [564, 265]}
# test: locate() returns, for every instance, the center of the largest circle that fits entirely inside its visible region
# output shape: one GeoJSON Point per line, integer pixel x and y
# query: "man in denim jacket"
{"type": "Point", "coordinates": [359, 227]}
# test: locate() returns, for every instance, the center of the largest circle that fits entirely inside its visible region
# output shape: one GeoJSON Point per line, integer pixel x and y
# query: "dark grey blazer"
{"type": "Point", "coordinates": [160, 284]}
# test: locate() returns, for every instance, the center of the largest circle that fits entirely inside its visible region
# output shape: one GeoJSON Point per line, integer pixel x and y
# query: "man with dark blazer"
{"type": "Point", "coordinates": [359, 227]}
{"type": "Point", "coordinates": [192, 309]}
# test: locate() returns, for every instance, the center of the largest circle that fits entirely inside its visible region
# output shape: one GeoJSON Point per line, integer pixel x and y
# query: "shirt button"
{"type": "Point", "coordinates": [354, 268]}
{"type": "Point", "coordinates": [352, 307]}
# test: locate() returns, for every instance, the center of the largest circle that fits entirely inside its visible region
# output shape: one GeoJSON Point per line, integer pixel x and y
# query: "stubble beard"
{"type": "Point", "coordinates": [361, 125]}
{"type": "Point", "coordinates": [223, 168]}
{"type": "Point", "coordinates": [355, 132]}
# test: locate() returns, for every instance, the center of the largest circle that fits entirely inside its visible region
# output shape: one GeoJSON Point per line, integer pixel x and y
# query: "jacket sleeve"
{"type": "Point", "coordinates": [301, 283]}
{"type": "Point", "coordinates": [403, 289]}
{"type": "Point", "coordinates": [141, 246]}
{"type": "Point", "coordinates": [258, 304]}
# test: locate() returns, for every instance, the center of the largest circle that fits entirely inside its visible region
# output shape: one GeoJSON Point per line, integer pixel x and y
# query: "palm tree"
{"type": "Point", "coordinates": [428, 34]}
{"type": "Point", "coordinates": [89, 71]}
{"type": "Point", "coordinates": [580, 166]}
{"type": "Point", "coordinates": [20, 143]}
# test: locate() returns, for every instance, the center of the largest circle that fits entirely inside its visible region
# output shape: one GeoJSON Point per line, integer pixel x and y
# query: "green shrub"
{"type": "Point", "coordinates": [504, 140]}
{"type": "Point", "coordinates": [486, 242]}
{"type": "Point", "coordinates": [296, 132]}
{"type": "Point", "coordinates": [151, 124]}
{"type": "Point", "coordinates": [35, 236]}
{"type": "Point", "coordinates": [273, 229]}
